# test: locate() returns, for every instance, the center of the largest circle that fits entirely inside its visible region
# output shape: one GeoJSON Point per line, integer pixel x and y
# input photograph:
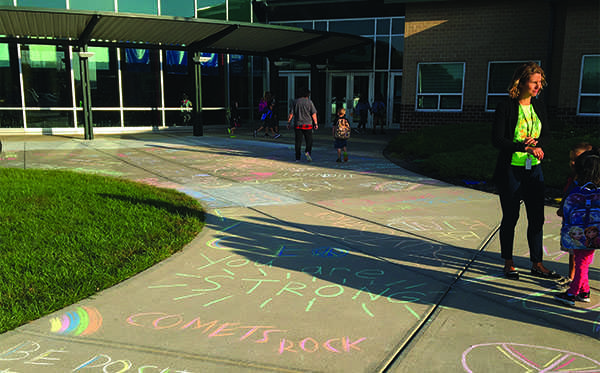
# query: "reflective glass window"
{"type": "Point", "coordinates": [46, 77]}
{"type": "Point", "coordinates": [397, 54]}
{"type": "Point", "coordinates": [138, 6]}
{"type": "Point", "coordinates": [213, 88]}
{"type": "Point", "coordinates": [382, 52]}
{"type": "Point", "coordinates": [49, 118]}
{"type": "Point", "coordinates": [60, 4]}
{"type": "Point", "coordinates": [383, 27]}
{"type": "Point", "coordinates": [10, 94]}
{"type": "Point", "coordinates": [179, 8]}
{"type": "Point", "coordinates": [358, 58]}
{"type": "Point", "coordinates": [11, 119]}
{"type": "Point", "coordinates": [354, 27]}
{"type": "Point", "coordinates": [104, 82]}
{"type": "Point", "coordinates": [102, 5]}
{"type": "Point", "coordinates": [212, 9]}
{"type": "Point", "coordinates": [589, 94]}
{"type": "Point", "coordinates": [499, 76]}
{"type": "Point", "coordinates": [178, 81]}
{"type": "Point", "coordinates": [141, 118]}
{"type": "Point", "coordinates": [101, 118]}
{"type": "Point", "coordinates": [240, 10]}
{"type": "Point", "coordinates": [321, 26]}
{"type": "Point", "coordinates": [304, 25]}
{"type": "Point", "coordinates": [440, 86]}
{"type": "Point", "coordinates": [398, 26]}
{"type": "Point", "coordinates": [141, 81]}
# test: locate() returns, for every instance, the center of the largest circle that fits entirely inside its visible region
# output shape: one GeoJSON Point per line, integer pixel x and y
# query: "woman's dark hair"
{"type": "Point", "coordinates": [522, 74]}
{"type": "Point", "coordinates": [587, 167]}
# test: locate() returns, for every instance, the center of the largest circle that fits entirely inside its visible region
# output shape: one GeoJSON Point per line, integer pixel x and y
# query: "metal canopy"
{"type": "Point", "coordinates": [146, 31]}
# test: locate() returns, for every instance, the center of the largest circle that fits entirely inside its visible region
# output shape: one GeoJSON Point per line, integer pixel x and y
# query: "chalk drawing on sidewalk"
{"type": "Point", "coordinates": [82, 321]}
{"type": "Point", "coordinates": [276, 339]}
{"type": "Point", "coordinates": [525, 358]}
{"type": "Point", "coordinates": [366, 288]}
{"type": "Point", "coordinates": [33, 356]}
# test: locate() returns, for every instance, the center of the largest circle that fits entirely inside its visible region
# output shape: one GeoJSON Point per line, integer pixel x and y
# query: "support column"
{"type": "Point", "coordinates": [86, 92]}
{"type": "Point", "coordinates": [197, 119]}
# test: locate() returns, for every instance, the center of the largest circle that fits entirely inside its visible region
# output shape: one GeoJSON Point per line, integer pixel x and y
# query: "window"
{"type": "Point", "coordinates": [179, 8]}
{"type": "Point", "coordinates": [354, 27]}
{"type": "Point", "coordinates": [59, 4]}
{"type": "Point", "coordinates": [138, 6]}
{"type": "Point", "coordinates": [440, 86]}
{"type": "Point", "coordinates": [499, 76]}
{"type": "Point", "coordinates": [589, 88]}
{"type": "Point", "coordinates": [104, 5]}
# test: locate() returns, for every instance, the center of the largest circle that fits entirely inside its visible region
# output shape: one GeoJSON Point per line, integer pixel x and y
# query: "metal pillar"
{"type": "Point", "coordinates": [86, 92]}
{"type": "Point", "coordinates": [197, 120]}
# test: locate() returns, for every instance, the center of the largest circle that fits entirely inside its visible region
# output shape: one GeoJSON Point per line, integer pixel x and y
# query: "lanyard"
{"type": "Point", "coordinates": [528, 126]}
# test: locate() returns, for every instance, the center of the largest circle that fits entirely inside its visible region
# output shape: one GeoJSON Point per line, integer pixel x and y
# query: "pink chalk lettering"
{"type": "Point", "coordinates": [347, 345]}
{"type": "Point", "coordinates": [315, 344]}
{"type": "Point", "coordinates": [283, 347]}
{"type": "Point", "coordinates": [328, 346]}
{"type": "Point", "coordinates": [266, 333]}
{"type": "Point", "coordinates": [217, 333]}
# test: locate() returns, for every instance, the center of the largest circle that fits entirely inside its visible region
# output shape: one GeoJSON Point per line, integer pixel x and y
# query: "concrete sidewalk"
{"type": "Point", "coordinates": [322, 267]}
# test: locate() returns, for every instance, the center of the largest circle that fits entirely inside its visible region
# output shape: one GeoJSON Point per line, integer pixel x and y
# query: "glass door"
{"type": "Point", "coordinates": [395, 100]}
{"type": "Point", "coordinates": [287, 88]}
{"type": "Point", "coordinates": [344, 90]}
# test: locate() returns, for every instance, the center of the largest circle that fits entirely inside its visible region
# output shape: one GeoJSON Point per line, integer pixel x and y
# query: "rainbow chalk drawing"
{"type": "Point", "coordinates": [530, 358]}
{"type": "Point", "coordinates": [83, 321]}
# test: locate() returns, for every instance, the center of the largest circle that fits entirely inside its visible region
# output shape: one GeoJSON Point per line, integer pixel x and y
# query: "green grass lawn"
{"type": "Point", "coordinates": [65, 236]}
{"type": "Point", "coordinates": [463, 153]}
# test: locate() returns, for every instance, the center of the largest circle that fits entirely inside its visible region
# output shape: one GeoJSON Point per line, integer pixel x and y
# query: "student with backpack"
{"type": "Point", "coordinates": [575, 152]}
{"type": "Point", "coordinates": [341, 134]}
{"type": "Point", "coordinates": [581, 212]}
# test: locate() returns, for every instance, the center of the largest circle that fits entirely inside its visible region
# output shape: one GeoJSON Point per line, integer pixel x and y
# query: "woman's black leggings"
{"type": "Point", "coordinates": [527, 186]}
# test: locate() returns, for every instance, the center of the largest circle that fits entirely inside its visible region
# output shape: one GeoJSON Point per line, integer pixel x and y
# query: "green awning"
{"type": "Point", "coordinates": [194, 34]}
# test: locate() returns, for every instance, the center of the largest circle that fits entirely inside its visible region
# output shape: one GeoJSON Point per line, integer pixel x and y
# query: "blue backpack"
{"type": "Point", "coordinates": [581, 218]}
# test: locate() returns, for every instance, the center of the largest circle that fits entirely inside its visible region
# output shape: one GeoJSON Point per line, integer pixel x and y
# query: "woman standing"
{"type": "Point", "coordinates": [519, 129]}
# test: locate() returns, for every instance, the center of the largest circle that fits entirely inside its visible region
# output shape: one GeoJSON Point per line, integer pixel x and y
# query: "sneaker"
{"type": "Point", "coordinates": [338, 160]}
{"type": "Point", "coordinates": [345, 157]}
{"type": "Point", "coordinates": [277, 136]}
{"type": "Point", "coordinates": [308, 157]}
{"type": "Point", "coordinates": [254, 133]}
{"type": "Point", "coordinates": [583, 297]}
{"type": "Point", "coordinates": [566, 298]}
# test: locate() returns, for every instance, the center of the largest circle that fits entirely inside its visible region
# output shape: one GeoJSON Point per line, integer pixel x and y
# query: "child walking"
{"type": "Point", "coordinates": [575, 152]}
{"type": "Point", "coordinates": [341, 134]}
{"type": "Point", "coordinates": [233, 114]}
{"type": "Point", "coordinates": [581, 209]}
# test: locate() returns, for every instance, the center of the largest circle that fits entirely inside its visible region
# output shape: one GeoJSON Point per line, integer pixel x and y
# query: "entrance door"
{"type": "Point", "coordinates": [344, 90]}
{"type": "Point", "coordinates": [395, 99]}
{"type": "Point", "coordinates": [287, 88]}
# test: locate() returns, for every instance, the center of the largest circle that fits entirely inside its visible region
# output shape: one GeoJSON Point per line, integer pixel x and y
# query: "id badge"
{"type": "Point", "coordinates": [528, 163]}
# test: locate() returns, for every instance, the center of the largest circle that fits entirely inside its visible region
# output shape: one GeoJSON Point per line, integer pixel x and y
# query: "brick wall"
{"type": "Point", "coordinates": [477, 32]}
{"type": "Point", "coordinates": [581, 20]}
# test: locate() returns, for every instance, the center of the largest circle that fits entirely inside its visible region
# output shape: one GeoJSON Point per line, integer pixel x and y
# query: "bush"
{"type": "Point", "coordinates": [461, 152]}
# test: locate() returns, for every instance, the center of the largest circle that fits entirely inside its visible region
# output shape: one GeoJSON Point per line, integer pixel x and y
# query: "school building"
{"type": "Point", "coordinates": [80, 66]}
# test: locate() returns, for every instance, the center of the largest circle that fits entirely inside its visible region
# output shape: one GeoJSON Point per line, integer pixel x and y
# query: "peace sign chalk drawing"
{"type": "Point", "coordinates": [530, 358]}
